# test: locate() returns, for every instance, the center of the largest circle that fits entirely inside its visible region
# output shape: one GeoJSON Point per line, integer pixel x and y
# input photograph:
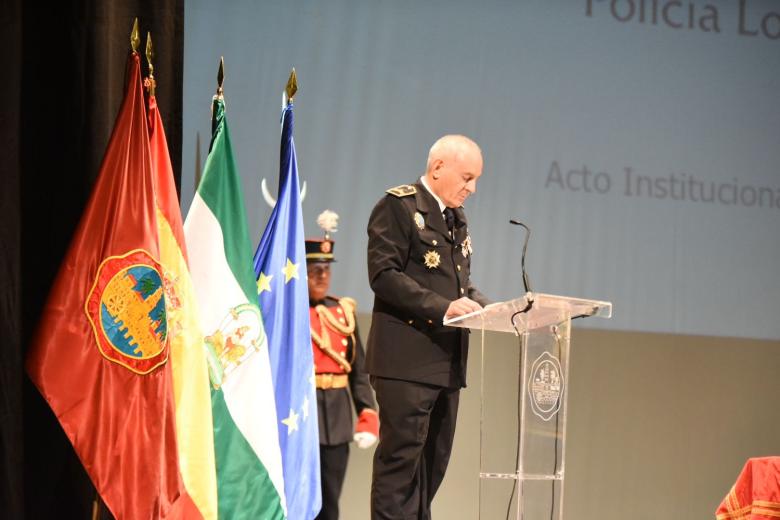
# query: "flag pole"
{"type": "Point", "coordinates": [218, 96]}
{"type": "Point", "coordinates": [135, 42]}
{"type": "Point", "coordinates": [198, 171]}
{"type": "Point", "coordinates": [151, 84]}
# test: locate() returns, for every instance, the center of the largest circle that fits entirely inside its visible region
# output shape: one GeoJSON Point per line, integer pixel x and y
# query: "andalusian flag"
{"type": "Point", "coordinates": [194, 433]}
{"type": "Point", "coordinates": [249, 465]}
{"type": "Point", "coordinates": [103, 353]}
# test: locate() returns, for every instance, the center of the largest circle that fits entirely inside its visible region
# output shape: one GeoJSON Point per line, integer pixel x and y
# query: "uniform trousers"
{"type": "Point", "coordinates": [333, 468]}
{"type": "Point", "coordinates": [416, 430]}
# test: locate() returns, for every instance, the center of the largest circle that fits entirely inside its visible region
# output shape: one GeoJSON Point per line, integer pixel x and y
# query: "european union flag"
{"type": "Point", "coordinates": [280, 267]}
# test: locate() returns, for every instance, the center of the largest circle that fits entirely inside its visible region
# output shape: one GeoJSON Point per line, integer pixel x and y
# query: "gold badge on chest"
{"type": "Point", "coordinates": [432, 259]}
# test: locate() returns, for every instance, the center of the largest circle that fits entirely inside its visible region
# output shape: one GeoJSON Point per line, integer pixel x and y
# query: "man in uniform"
{"type": "Point", "coordinates": [419, 257]}
{"type": "Point", "coordinates": [338, 361]}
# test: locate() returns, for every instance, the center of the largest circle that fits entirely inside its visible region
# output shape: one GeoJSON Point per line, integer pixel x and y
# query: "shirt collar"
{"type": "Point", "coordinates": [424, 182]}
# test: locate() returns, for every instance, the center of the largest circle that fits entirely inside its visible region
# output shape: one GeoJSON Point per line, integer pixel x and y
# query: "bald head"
{"type": "Point", "coordinates": [454, 165]}
{"type": "Point", "coordinates": [451, 147]}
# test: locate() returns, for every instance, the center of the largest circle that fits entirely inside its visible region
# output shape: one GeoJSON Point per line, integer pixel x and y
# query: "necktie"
{"type": "Point", "coordinates": [449, 218]}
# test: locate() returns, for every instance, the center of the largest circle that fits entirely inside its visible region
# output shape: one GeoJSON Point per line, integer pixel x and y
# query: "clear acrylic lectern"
{"type": "Point", "coordinates": [535, 462]}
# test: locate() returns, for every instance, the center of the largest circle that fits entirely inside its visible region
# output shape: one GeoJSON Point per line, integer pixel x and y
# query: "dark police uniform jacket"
{"type": "Point", "coordinates": [334, 405]}
{"type": "Point", "coordinates": [415, 270]}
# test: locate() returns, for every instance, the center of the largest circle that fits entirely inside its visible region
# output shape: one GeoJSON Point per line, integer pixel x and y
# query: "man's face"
{"type": "Point", "coordinates": [455, 177]}
{"type": "Point", "coordinates": [318, 277]}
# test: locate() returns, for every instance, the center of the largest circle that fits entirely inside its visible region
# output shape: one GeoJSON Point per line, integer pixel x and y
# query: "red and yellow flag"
{"type": "Point", "coordinates": [194, 427]}
{"type": "Point", "coordinates": [102, 352]}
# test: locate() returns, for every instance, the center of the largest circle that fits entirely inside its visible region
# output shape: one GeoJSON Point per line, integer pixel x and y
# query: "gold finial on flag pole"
{"type": "Point", "coordinates": [292, 86]}
{"type": "Point", "coordinates": [135, 40]}
{"type": "Point", "coordinates": [151, 84]}
{"type": "Point", "coordinates": [220, 77]}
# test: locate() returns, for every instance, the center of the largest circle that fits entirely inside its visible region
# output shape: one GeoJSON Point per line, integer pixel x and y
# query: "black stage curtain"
{"type": "Point", "coordinates": [63, 81]}
{"type": "Point", "coordinates": [11, 503]}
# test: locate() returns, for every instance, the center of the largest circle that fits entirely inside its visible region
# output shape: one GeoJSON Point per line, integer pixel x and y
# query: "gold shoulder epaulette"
{"type": "Point", "coordinates": [348, 303]}
{"type": "Point", "coordinates": [403, 190]}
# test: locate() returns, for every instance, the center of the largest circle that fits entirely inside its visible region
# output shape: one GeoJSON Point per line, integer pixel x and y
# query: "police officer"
{"type": "Point", "coordinates": [341, 381]}
{"type": "Point", "coordinates": [419, 258]}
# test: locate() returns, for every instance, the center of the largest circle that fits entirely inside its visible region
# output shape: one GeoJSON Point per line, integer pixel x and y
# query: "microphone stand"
{"type": "Point", "coordinates": [526, 284]}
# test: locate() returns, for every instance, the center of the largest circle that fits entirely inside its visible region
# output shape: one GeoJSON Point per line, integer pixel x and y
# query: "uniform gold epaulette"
{"type": "Point", "coordinates": [348, 303]}
{"type": "Point", "coordinates": [403, 190]}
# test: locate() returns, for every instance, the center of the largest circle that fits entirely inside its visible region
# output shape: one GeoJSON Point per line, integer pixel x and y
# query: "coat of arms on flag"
{"type": "Point", "coordinates": [127, 310]}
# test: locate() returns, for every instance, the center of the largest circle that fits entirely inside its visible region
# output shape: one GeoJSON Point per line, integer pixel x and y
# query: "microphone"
{"type": "Point", "coordinates": [526, 283]}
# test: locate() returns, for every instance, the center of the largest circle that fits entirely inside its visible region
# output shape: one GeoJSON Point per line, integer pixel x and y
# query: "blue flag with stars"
{"type": "Point", "coordinates": [280, 268]}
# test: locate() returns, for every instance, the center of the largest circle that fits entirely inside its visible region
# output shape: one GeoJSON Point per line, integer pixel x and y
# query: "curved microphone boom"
{"type": "Point", "coordinates": [526, 283]}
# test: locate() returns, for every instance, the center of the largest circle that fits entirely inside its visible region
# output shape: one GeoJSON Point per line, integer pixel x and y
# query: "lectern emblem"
{"type": "Point", "coordinates": [545, 386]}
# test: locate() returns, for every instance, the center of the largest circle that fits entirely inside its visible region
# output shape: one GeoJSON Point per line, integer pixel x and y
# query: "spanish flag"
{"type": "Point", "coordinates": [102, 353]}
{"type": "Point", "coordinates": [194, 430]}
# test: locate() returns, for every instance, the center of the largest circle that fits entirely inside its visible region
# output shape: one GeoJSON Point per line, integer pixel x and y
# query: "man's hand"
{"type": "Point", "coordinates": [461, 306]}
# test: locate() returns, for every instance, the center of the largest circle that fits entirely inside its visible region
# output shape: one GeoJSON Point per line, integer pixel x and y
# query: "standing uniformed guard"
{"type": "Point", "coordinates": [341, 380]}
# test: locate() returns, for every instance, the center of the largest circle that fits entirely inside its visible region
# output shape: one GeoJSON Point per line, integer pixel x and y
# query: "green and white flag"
{"type": "Point", "coordinates": [249, 465]}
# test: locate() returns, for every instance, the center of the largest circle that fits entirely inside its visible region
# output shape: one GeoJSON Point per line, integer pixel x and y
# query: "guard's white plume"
{"type": "Point", "coordinates": [328, 220]}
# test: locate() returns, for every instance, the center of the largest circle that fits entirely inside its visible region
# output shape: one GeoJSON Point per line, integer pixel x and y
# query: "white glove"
{"type": "Point", "coordinates": [364, 440]}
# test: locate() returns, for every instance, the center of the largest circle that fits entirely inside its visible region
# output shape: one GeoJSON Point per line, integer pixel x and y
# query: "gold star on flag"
{"type": "Point", "coordinates": [264, 283]}
{"type": "Point", "coordinates": [290, 271]}
{"type": "Point", "coordinates": [291, 422]}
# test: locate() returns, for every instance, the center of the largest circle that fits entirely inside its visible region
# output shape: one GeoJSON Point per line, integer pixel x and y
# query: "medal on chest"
{"type": "Point", "coordinates": [419, 221]}
{"type": "Point", "coordinates": [432, 259]}
{"type": "Point", "coordinates": [465, 247]}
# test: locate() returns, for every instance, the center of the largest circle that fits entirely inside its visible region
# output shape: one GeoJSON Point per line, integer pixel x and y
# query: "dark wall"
{"type": "Point", "coordinates": [64, 67]}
